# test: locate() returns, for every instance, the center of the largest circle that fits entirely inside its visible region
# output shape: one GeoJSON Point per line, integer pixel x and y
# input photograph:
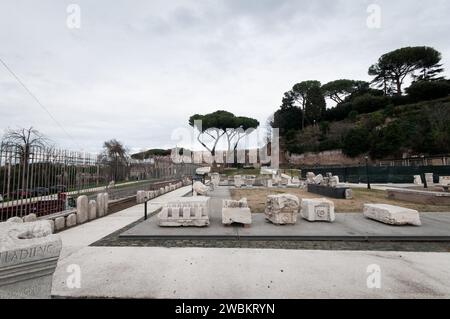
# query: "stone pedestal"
{"type": "Point", "coordinates": [71, 220]}
{"type": "Point", "coordinates": [392, 215]}
{"type": "Point", "coordinates": [317, 209]}
{"type": "Point", "coordinates": [282, 209]}
{"type": "Point", "coordinates": [102, 204]}
{"type": "Point", "coordinates": [28, 257]}
{"type": "Point", "coordinates": [60, 223]}
{"type": "Point", "coordinates": [187, 212]}
{"type": "Point", "coordinates": [82, 209]}
{"type": "Point", "coordinates": [234, 211]}
{"type": "Point", "coordinates": [92, 209]}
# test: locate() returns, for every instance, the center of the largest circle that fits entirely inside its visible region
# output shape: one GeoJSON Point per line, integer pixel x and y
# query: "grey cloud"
{"type": "Point", "coordinates": [137, 70]}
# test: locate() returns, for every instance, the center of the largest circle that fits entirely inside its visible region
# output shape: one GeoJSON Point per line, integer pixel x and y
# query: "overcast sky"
{"type": "Point", "coordinates": [136, 70]}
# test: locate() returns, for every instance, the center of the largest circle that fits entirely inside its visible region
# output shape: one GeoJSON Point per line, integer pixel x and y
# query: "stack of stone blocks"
{"type": "Point", "coordinates": [282, 209]}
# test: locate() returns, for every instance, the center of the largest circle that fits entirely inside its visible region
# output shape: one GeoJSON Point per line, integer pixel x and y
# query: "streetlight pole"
{"type": "Point", "coordinates": [367, 173]}
{"type": "Point", "coordinates": [425, 184]}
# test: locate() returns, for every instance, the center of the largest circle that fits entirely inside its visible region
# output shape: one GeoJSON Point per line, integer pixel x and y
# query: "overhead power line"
{"type": "Point", "coordinates": [36, 99]}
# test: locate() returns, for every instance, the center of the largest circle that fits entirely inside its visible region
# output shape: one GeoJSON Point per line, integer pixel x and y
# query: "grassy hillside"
{"type": "Point", "coordinates": [418, 128]}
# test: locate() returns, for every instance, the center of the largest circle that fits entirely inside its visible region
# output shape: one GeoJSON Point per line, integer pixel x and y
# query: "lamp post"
{"type": "Point", "coordinates": [425, 184]}
{"type": "Point", "coordinates": [367, 172]}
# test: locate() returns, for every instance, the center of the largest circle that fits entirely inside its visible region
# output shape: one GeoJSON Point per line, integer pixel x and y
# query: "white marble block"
{"type": "Point", "coordinates": [429, 178]}
{"type": "Point", "coordinates": [333, 181]}
{"type": "Point", "coordinates": [392, 215]}
{"type": "Point", "coordinates": [317, 209]}
{"type": "Point", "coordinates": [71, 220]}
{"type": "Point", "coordinates": [234, 211]}
{"type": "Point", "coordinates": [60, 223]}
{"type": "Point", "coordinates": [444, 180]}
{"type": "Point", "coordinates": [29, 254]}
{"type": "Point", "coordinates": [215, 179]}
{"type": "Point", "coordinates": [238, 181]}
{"type": "Point", "coordinates": [200, 189]}
{"type": "Point", "coordinates": [106, 202]}
{"type": "Point", "coordinates": [193, 211]}
{"type": "Point", "coordinates": [102, 204]}
{"type": "Point", "coordinates": [282, 209]}
{"type": "Point", "coordinates": [417, 180]}
{"type": "Point", "coordinates": [285, 179]}
{"type": "Point", "coordinates": [15, 220]}
{"type": "Point", "coordinates": [203, 170]}
{"type": "Point", "coordinates": [318, 179]}
{"type": "Point", "coordinates": [141, 197]}
{"type": "Point", "coordinates": [310, 177]}
{"type": "Point", "coordinates": [30, 218]}
{"type": "Point", "coordinates": [82, 209]}
{"type": "Point", "coordinates": [92, 209]}
{"type": "Point", "coordinates": [249, 180]}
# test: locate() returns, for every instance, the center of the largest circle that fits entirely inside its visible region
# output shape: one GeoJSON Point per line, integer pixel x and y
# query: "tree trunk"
{"type": "Point", "coordinates": [399, 87]}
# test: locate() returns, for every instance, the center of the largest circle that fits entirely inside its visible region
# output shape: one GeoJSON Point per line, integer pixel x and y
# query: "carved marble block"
{"type": "Point", "coordinates": [318, 179]}
{"type": "Point", "coordinates": [29, 253]}
{"type": "Point", "coordinates": [310, 177]}
{"type": "Point", "coordinates": [444, 180]}
{"type": "Point", "coordinates": [249, 180]}
{"type": "Point", "coordinates": [285, 179]}
{"type": "Point", "coordinates": [282, 209]}
{"type": "Point", "coordinates": [200, 189]}
{"type": "Point", "coordinates": [333, 181]}
{"type": "Point", "coordinates": [234, 211]}
{"type": "Point", "coordinates": [238, 181]}
{"type": "Point", "coordinates": [417, 180]}
{"type": "Point", "coordinates": [187, 212]}
{"type": "Point", "coordinates": [215, 179]}
{"type": "Point", "coordinates": [317, 209]}
{"type": "Point", "coordinates": [392, 215]}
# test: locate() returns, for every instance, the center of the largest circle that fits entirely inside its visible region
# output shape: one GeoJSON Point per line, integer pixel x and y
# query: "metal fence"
{"type": "Point", "coordinates": [46, 180]}
{"type": "Point", "coordinates": [380, 174]}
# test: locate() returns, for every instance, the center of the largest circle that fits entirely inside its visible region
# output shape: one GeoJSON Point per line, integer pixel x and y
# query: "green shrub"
{"type": "Point", "coordinates": [368, 103]}
{"type": "Point", "coordinates": [428, 90]}
{"type": "Point", "coordinates": [330, 144]}
{"type": "Point", "coordinates": [353, 115]}
{"type": "Point", "coordinates": [356, 142]}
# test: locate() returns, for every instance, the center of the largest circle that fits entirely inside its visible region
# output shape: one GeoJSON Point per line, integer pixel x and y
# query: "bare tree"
{"type": "Point", "coordinates": [24, 141]}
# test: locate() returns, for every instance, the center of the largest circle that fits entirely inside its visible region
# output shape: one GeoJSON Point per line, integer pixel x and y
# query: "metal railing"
{"type": "Point", "coordinates": [46, 180]}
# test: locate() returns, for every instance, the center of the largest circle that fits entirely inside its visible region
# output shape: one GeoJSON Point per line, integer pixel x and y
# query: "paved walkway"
{"type": "Point", "coordinates": [76, 238]}
{"type": "Point", "coordinates": [156, 272]}
{"type": "Point", "coordinates": [145, 272]}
